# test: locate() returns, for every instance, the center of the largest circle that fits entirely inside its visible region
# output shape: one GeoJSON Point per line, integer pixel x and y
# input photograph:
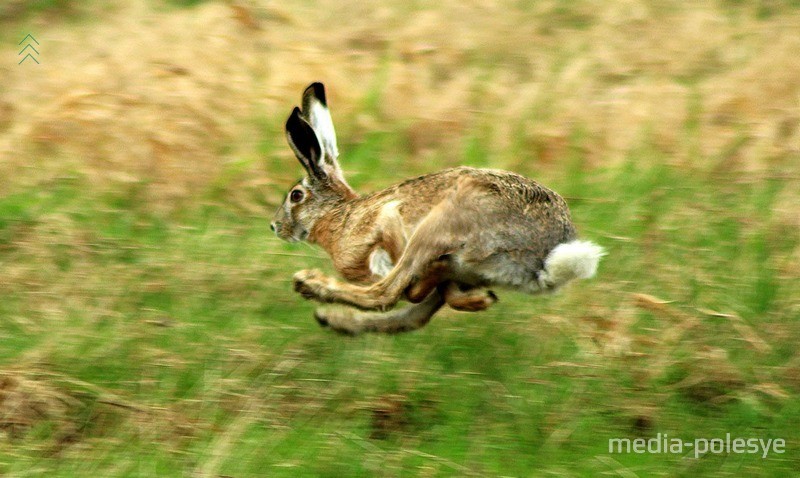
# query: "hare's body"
{"type": "Point", "coordinates": [436, 239]}
{"type": "Point", "coordinates": [510, 230]}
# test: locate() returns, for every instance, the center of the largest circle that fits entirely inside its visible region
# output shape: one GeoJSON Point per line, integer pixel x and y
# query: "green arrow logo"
{"type": "Point", "coordinates": [32, 51]}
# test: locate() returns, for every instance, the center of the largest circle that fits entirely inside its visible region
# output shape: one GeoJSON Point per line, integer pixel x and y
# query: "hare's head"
{"type": "Point", "coordinates": [312, 138]}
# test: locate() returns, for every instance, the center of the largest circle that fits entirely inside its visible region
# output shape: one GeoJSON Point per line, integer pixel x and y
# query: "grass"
{"type": "Point", "coordinates": [147, 321]}
{"type": "Point", "coordinates": [179, 348]}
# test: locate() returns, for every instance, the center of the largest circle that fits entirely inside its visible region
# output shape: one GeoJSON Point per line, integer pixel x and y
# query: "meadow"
{"type": "Point", "coordinates": [147, 322]}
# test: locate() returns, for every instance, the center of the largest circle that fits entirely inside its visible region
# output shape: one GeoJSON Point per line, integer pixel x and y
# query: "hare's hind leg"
{"type": "Point", "coordinates": [441, 233]}
{"type": "Point", "coordinates": [458, 296]}
{"type": "Point", "coordinates": [468, 299]}
{"type": "Point", "coordinates": [353, 322]}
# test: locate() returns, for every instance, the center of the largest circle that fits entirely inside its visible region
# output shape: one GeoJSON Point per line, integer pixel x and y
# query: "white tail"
{"type": "Point", "coordinates": [568, 261]}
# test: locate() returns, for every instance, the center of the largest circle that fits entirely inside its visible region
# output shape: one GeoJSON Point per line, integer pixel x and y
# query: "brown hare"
{"type": "Point", "coordinates": [442, 238]}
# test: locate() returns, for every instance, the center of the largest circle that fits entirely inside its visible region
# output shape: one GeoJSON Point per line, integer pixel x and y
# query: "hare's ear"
{"type": "Point", "coordinates": [303, 141]}
{"type": "Point", "coordinates": [316, 112]}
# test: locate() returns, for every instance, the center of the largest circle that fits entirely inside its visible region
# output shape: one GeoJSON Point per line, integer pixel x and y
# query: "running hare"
{"type": "Point", "coordinates": [437, 239]}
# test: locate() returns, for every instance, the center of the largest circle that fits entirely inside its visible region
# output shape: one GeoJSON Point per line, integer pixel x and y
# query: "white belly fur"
{"type": "Point", "coordinates": [380, 263]}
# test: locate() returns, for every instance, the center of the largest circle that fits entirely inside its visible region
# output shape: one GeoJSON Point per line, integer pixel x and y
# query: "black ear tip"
{"type": "Point", "coordinates": [293, 118]}
{"type": "Point", "coordinates": [318, 90]}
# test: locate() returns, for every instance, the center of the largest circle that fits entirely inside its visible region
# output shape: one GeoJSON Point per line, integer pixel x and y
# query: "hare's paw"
{"type": "Point", "coordinates": [473, 300]}
{"type": "Point", "coordinates": [341, 320]}
{"type": "Point", "coordinates": [311, 284]}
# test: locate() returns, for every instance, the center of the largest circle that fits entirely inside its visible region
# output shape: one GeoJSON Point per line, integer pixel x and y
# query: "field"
{"type": "Point", "coordinates": [147, 322]}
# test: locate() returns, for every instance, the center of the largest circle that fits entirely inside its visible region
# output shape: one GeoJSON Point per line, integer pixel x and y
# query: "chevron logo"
{"type": "Point", "coordinates": [31, 50]}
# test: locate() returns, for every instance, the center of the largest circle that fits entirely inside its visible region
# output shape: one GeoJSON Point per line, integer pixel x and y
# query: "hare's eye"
{"type": "Point", "coordinates": [296, 195]}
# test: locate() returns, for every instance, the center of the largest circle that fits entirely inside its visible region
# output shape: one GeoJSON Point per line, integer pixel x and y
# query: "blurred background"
{"type": "Point", "coordinates": [147, 321]}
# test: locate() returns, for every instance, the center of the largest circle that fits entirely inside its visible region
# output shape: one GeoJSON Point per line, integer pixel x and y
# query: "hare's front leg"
{"type": "Point", "coordinates": [313, 284]}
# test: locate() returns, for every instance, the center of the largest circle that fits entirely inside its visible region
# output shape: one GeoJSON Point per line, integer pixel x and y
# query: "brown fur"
{"type": "Point", "coordinates": [474, 200]}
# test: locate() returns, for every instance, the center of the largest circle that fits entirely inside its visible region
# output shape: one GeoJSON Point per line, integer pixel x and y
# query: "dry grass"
{"type": "Point", "coordinates": [169, 96]}
{"type": "Point", "coordinates": [24, 402]}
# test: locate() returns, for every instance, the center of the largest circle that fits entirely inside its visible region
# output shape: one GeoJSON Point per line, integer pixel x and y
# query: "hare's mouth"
{"type": "Point", "coordinates": [300, 236]}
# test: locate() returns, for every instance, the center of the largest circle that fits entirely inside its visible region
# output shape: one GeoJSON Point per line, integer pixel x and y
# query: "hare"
{"type": "Point", "coordinates": [437, 239]}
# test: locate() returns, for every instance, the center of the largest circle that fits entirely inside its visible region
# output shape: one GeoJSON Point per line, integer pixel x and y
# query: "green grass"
{"type": "Point", "coordinates": [180, 347]}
